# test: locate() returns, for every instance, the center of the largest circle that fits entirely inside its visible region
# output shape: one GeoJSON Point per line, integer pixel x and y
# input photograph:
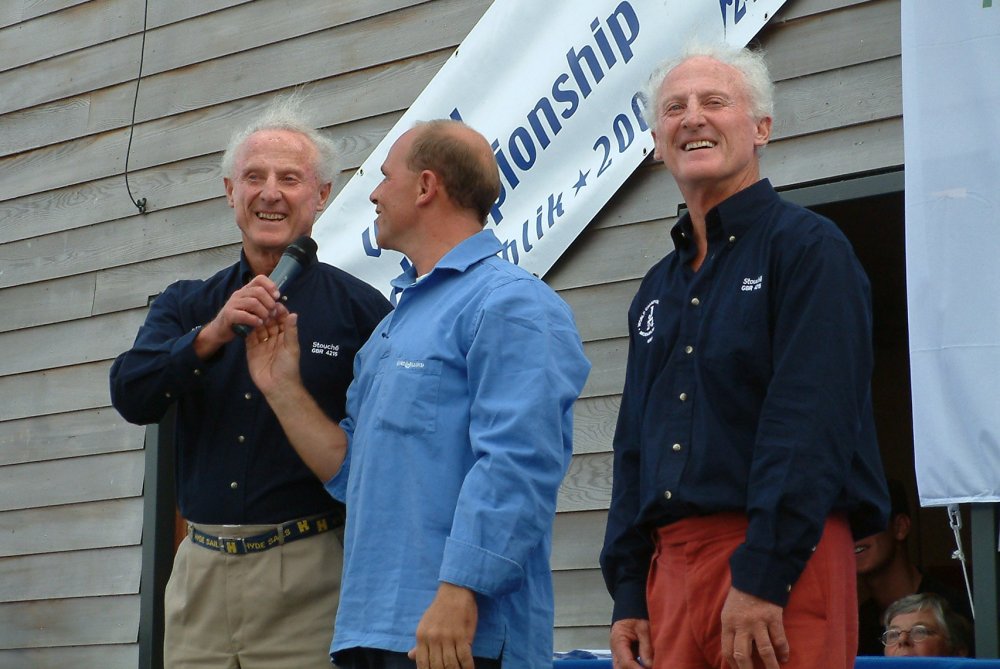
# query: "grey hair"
{"type": "Point", "coordinates": [284, 113]}
{"type": "Point", "coordinates": [749, 63]}
{"type": "Point", "coordinates": [953, 626]}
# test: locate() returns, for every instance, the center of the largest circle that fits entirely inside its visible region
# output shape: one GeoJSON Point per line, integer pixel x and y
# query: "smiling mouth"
{"type": "Point", "coordinates": [267, 216]}
{"type": "Point", "coordinates": [700, 144]}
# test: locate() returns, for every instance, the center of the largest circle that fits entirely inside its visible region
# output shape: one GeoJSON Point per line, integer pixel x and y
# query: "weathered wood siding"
{"type": "Point", "coordinates": [78, 262]}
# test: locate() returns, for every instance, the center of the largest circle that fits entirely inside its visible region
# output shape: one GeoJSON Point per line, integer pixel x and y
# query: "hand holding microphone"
{"type": "Point", "coordinates": [298, 256]}
{"type": "Point", "coordinates": [256, 299]}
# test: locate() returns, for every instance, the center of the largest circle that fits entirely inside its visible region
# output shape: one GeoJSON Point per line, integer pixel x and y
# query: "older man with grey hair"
{"type": "Point", "coordinates": [256, 581]}
{"type": "Point", "coordinates": [745, 450]}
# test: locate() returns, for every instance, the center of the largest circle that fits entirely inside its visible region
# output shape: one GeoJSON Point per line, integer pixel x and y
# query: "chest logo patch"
{"type": "Point", "coordinates": [647, 321]}
{"type": "Point", "coordinates": [332, 350]}
{"type": "Point", "coordinates": [750, 284]}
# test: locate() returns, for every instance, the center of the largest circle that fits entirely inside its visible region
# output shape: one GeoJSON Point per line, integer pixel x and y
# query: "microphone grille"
{"type": "Point", "coordinates": [302, 249]}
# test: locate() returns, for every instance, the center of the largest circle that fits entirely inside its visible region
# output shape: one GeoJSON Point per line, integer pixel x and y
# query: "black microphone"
{"type": "Point", "coordinates": [299, 255]}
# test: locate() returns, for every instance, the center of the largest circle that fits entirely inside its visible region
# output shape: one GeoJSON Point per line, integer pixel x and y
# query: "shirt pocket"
{"type": "Point", "coordinates": [409, 396]}
{"type": "Point", "coordinates": [737, 340]}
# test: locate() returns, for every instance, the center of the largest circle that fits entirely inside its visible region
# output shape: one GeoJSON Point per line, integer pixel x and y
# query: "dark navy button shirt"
{"type": "Point", "coordinates": [747, 389]}
{"type": "Point", "coordinates": [234, 463]}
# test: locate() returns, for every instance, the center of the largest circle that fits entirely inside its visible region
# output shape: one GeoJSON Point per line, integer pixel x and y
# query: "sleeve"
{"type": "Point", "coordinates": [526, 368]}
{"type": "Point", "coordinates": [336, 487]}
{"type": "Point", "coordinates": [812, 418]}
{"type": "Point", "coordinates": [627, 552]}
{"type": "Point", "coordinates": [161, 365]}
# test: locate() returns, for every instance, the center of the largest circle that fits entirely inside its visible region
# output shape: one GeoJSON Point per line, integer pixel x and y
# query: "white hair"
{"type": "Point", "coordinates": [749, 63]}
{"type": "Point", "coordinates": [284, 113]}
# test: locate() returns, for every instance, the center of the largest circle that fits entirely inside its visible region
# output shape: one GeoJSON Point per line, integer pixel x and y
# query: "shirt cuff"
{"type": "Point", "coordinates": [478, 569]}
{"type": "Point", "coordinates": [764, 575]}
{"type": "Point", "coordinates": [630, 602]}
{"type": "Point", "coordinates": [187, 366]}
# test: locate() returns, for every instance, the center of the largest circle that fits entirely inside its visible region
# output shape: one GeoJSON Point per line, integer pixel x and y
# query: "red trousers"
{"type": "Point", "coordinates": [689, 580]}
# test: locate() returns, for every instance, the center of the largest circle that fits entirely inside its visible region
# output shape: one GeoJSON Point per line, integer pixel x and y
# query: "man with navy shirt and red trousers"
{"type": "Point", "coordinates": [745, 451]}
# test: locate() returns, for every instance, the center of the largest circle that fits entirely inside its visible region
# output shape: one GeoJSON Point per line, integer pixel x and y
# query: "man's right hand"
{"type": "Point", "coordinates": [252, 305]}
{"type": "Point", "coordinates": [752, 626]}
{"type": "Point", "coordinates": [628, 636]}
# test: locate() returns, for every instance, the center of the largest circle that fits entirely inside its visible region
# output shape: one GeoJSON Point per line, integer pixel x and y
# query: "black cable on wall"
{"type": "Point", "coordinates": [140, 204]}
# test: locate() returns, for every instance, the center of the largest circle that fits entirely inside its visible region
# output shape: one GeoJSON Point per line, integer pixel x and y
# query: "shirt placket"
{"type": "Point", "coordinates": [683, 388]}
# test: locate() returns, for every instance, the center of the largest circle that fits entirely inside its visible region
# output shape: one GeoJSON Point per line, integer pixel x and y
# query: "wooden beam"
{"type": "Point", "coordinates": [66, 435]}
{"type": "Point", "coordinates": [73, 480]}
{"type": "Point", "coordinates": [70, 528]}
{"type": "Point", "coordinates": [68, 622]}
{"type": "Point", "coordinates": [119, 656]}
{"type": "Point", "coordinates": [89, 573]}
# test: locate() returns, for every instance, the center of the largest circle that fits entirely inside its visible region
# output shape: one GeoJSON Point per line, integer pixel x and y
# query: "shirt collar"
{"type": "Point", "coordinates": [468, 252]}
{"type": "Point", "coordinates": [732, 217]}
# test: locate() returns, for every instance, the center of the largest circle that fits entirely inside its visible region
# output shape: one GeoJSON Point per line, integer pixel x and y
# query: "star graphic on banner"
{"type": "Point", "coordinates": [581, 182]}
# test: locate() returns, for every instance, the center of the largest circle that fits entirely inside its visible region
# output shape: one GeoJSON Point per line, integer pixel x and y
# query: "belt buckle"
{"type": "Point", "coordinates": [232, 545]}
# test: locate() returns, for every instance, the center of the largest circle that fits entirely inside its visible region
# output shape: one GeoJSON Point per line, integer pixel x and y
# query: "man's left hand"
{"type": "Point", "coordinates": [749, 621]}
{"type": "Point", "coordinates": [446, 630]}
{"type": "Point", "coordinates": [273, 352]}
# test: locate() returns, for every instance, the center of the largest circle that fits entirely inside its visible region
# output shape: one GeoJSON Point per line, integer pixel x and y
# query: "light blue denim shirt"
{"type": "Point", "coordinates": [460, 427]}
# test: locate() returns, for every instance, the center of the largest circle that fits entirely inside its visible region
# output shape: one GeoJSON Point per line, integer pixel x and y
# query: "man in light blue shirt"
{"type": "Point", "coordinates": [458, 429]}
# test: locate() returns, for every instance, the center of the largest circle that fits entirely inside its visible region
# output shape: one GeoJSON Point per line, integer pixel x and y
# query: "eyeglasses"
{"type": "Point", "coordinates": [918, 634]}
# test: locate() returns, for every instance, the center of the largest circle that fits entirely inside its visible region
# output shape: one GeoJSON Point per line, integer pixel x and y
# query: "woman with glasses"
{"type": "Point", "coordinates": [923, 625]}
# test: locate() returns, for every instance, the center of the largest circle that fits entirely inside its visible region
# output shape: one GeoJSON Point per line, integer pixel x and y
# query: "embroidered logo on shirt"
{"type": "Point", "coordinates": [647, 322]}
{"type": "Point", "coordinates": [410, 364]}
{"type": "Point", "coordinates": [332, 350]}
{"type": "Point", "coordinates": [752, 284]}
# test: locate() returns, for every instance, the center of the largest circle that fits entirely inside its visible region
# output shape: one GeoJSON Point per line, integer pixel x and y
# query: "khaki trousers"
{"type": "Point", "coordinates": [269, 610]}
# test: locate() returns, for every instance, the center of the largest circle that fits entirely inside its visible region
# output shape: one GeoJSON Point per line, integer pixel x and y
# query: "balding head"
{"type": "Point", "coordinates": [463, 161]}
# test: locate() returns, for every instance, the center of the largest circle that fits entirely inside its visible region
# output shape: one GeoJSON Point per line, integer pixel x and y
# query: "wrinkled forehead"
{"type": "Point", "coordinates": [278, 145]}
{"type": "Point", "coordinates": [704, 74]}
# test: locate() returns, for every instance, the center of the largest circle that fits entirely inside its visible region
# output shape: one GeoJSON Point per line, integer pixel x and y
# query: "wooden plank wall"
{"type": "Point", "coordinates": [78, 263]}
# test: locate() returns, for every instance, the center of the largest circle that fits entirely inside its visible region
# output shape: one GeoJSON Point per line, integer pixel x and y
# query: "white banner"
{"type": "Point", "coordinates": [553, 85]}
{"type": "Point", "coordinates": [951, 94]}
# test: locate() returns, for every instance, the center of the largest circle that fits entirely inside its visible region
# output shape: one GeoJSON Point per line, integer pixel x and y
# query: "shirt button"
{"type": "Point", "coordinates": [197, 372]}
{"type": "Point", "coordinates": [241, 439]}
{"type": "Point", "coordinates": [234, 485]}
{"type": "Point", "coordinates": [168, 395]}
{"type": "Point", "coordinates": [813, 549]}
{"type": "Point", "coordinates": [788, 588]}
{"type": "Point", "coordinates": [676, 447]}
{"type": "Point", "coordinates": [695, 301]}
{"type": "Point", "coordinates": [683, 397]}
{"type": "Point", "coordinates": [248, 396]}
{"type": "Point", "coordinates": [689, 349]}
{"type": "Point", "coordinates": [732, 239]}
{"type": "Point", "coordinates": [667, 494]}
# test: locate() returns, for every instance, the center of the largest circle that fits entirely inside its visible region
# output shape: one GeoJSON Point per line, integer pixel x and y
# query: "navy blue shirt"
{"type": "Point", "coordinates": [747, 389]}
{"type": "Point", "coordinates": [234, 463]}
